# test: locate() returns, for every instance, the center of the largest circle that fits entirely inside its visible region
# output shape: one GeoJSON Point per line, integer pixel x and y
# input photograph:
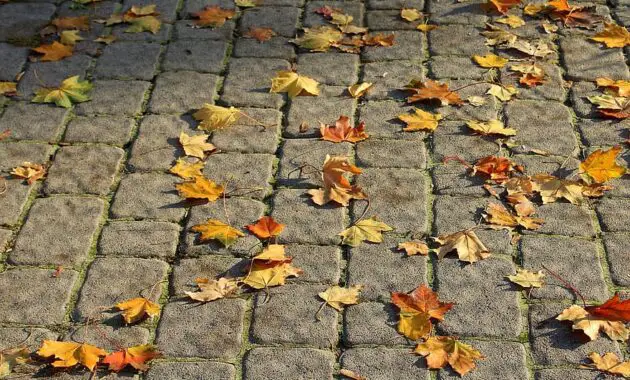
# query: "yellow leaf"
{"type": "Point", "coordinates": [53, 52]}
{"type": "Point", "coordinates": [527, 279]}
{"type": "Point", "coordinates": [70, 354]}
{"type": "Point", "coordinates": [410, 14]}
{"type": "Point", "coordinates": [609, 363]}
{"type": "Point", "coordinates": [11, 358]}
{"type": "Point", "coordinates": [499, 217]}
{"type": "Point", "coordinates": [512, 20]}
{"type": "Point", "coordinates": [490, 61]}
{"type": "Point", "coordinates": [591, 326]}
{"type": "Point", "coordinates": [340, 18]}
{"type": "Point", "coordinates": [195, 146]}
{"type": "Point", "coordinates": [468, 246]}
{"type": "Point", "coordinates": [359, 89]}
{"type": "Point", "coordinates": [8, 88]}
{"type": "Point", "coordinates": [294, 84]}
{"type": "Point", "coordinates": [144, 24]}
{"type": "Point", "coordinates": [617, 87]}
{"type": "Point", "coordinates": [213, 290]}
{"type": "Point", "coordinates": [106, 39]}
{"type": "Point", "coordinates": [137, 308]}
{"type": "Point", "coordinates": [498, 36]}
{"type": "Point", "coordinates": [416, 310]}
{"type": "Point", "coordinates": [413, 248]}
{"type": "Point", "coordinates": [528, 68]}
{"type": "Point", "coordinates": [476, 101]}
{"type": "Point", "coordinates": [187, 170]}
{"type": "Point", "coordinates": [336, 296]}
{"type": "Point", "coordinates": [426, 27]}
{"type": "Point", "coordinates": [532, 9]}
{"type": "Point", "coordinates": [273, 252]}
{"type": "Point", "coordinates": [601, 166]}
{"type": "Point", "coordinates": [613, 36]}
{"type": "Point", "coordinates": [420, 120]}
{"type": "Point", "coordinates": [246, 3]}
{"type": "Point", "coordinates": [492, 127]}
{"type": "Point", "coordinates": [216, 117]}
{"type": "Point", "coordinates": [263, 276]}
{"type": "Point", "coordinates": [337, 187]}
{"type": "Point", "coordinates": [29, 171]}
{"type": "Point", "coordinates": [72, 90]}
{"type": "Point", "coordinates": [439, 350]}
{"type": "Point", "coordinates": [214, 229]}
{"type": "Point", "coordinates": [319, 38]}
{"type": "Point", "coordinates": [70, 37]}
{"type": "Point", "coordinates": [200, 188]}
{"type": "Point", "coordinates": [552, 189]}
{"type": "Point", "coordinates": [503, 93]}
{"type": "Point", "coordinates": [364, 230]}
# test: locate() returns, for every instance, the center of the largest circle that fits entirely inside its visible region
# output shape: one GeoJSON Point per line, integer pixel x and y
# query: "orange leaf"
{"type": "Point", "coordinates": [260, 34]}
{"type": "Point", "coordinates": [135, 356]}
{"type": "Point", "coordinates": [70, 354]}
{"type": "Point", "coordinates": [612, 310]}
{"type": "Point", "coordinates": [64, 23]}
{"type": "Point", "coordinates": [29, 171]}
{"type": "Point", "coordinates": [531, 80]}
{"type": "Point", "coordinates": [53, 52]}
{"type": "Point", "coordinates": [378, 40]}
{"type": "Point", "coordinates": [502, 6]}
{"type": "Point", "coordinates": [200, 188]}
{"type": "Point", "coordinates": [499, 217]}
{"type": "Point", "coordinates": [343, 131]}
{"type": "Point", "coordinates": [266, 227]}
{"type": "Point", "coordinates": [496, 168]}
{"type": "Point", "coordinates": [439, 350]}
{"type": "Point", "coordinates": [422, 300]}
{"type": "Point", "coordinates": [431, 90]}
{"type": "Point", "coordinates": [137, 308]}
{"type": "Point", "coordinates": [214, 16]}
{"type": "Point", "coordinates": [601, 166]}
{"type": "Point", "coordinates": [337, 187]}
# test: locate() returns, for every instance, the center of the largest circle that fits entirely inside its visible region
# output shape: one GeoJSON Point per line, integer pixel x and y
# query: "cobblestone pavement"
{"type": "Point", "coordinates": [108, 213]}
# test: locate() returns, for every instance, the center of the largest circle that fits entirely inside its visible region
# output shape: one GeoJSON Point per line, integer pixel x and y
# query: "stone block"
{"type": "Point", "coordinates": [612, 214]}
{"type": "Point", "coordinates": [50, 74]}
{"type": "Point", "coordinates": [617, 255]}
{"type": "Point", "coordinates": [381, 363]}
{"type": "Point", "coordinates": [604, 133]}
{"type": "Point", "coordinates": [453, 67]}
{"type": "Point", "coordinates": [13, 61]}
{"type": "Point", "coordinates": [128, 60]}
{"type": "Point", "coordinates": [193, 55]}
{"type": "Point", "coordinates": [243, 174]}
{"type": "Point", "coordinates": [28, 336]}
{"type": "Point", "coordinates": [391, 154]}
{"type": "Point", "coordinates": [310, 152]}
{"type": "Point", "coordinates": [503, 360]}
{"type": "Point", "coordinates": [454, 138]}
{"type": "Point", "coordinates": [206, 266]}
{"type": "Point", "coordinates": [112, 130]}
{"type": "Point", "coordinates": [139, 239]}
{"type": "Point", "coordinates": [249, 80]}
{"type": "Point", "coordinates": [389, 20]}
{"type": "Point", "coordinates": [389, 80]}
{"type": "Point", "coordinates": [183, 30]}
{"type": "Point", "coordinates": [22, 21]}
{"type": "Point", "coordinates": [395, 4]}
{"type": "Point", "coordinates": [340, 69]}
{"type": "Point", "coordinates": [191, 371]}
{"type": "Point", "coordinates": [276, 47]}
{"type": "Point", "coordinates": [553, 87]}
{"type": "Point", "coordinates": [283, 20]}
{"type": "Point", "coordinates": [248, 136]}
{"type": "Point", "coordinates": [408, 45]}
{"type": "Point", "coordinates": [316, 110]}
{"type": "Point", "coordinates": [183, 91]}
{"type": "Point", "coordinates": [320, 264]}
{"type": "Point", "coordinates": [372, 323]}
{"type": "Point", "coordinates": [381, 120]}
{"type": "Point", "coordinates": [282, 363]}
{"type": "Point", "coordinates": [446, 39]}
{"type": "Point", "coordinates": [453, 12]}
{"type": "Point", "coordinates": [14, 200]}
{"type": "Point", "coordinates": [588, 60]}
{"type": "Point", "coordinates": [166, 8]}
{"type": "Point", "coordinates": [28, 121]}
{"type": "Point", "coordinates": [107, 337]}
{"type": "Point", "coordinates": [113, 97]}
{"type": "Point", "coordinates": [352, 8]}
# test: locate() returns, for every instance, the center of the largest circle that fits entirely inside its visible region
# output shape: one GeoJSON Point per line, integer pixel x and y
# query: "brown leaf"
{"type": "Point", "coordinates": [499, 217]}
{"type": "Point", "coordinates": [343, 131]}
{"type": "Point", "coordinates": [413, 248]}
{"type": "Point", "coordinates": [53, 52]}
{"type": "Point", "coordinates": [432, 91]}
{"type": "Point", "coordinates": [213, 16]}
{"type": "Point", "coordinates": [466, 243]}
{"type": "Point", "coordinates": [260, 34]}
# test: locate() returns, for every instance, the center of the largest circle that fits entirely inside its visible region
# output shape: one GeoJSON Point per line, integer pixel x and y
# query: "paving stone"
{"type": "Point", "coordinates": [579, 93]}
{"type": "Point", "coordinates": [157, 145]}
{"type": "Point", "coordinates": [140, 239]}
{"type": "Point", "coordinates": [306, 222]}
{"type": "Point", "coordinates": [466, 89]}
{"type": "Point", "coordinates": [372, 323]}
{"type": "Point", "coordinates": [28, 121]}
{"type": "Point", "coordinates": [452, 12]}
{"type": "Point", "coordinates": [397, 197]}
{"type": "Point", "coordinates": [87, 169]}
{"type": "Point", "coordinates": [455, 179]}
{"type": "Point", "coordinates": [330, 68]}
{"type": "Point", "coordinates": [604, 132]}
{"type": "Point", "coordinates": [408, 45]}
{"type": "Point", "coordinates": [207, 266]}
{"type": "Point", "coordinates": [612, 214]}
{"type": "Point", "coordinates": [148, 196]}
{"type": "Point", "coordinates": [244, 174]}
{"type": "Point", "coordinates": [52, 295]}
{"type": "Point", "coordinates": [389, 20]}
{"type": "Point", "coordinates": [381, 119]}
{"type": "Point", "coordinates": [50, 74]}
{"type": "Point", "coordinates": [128, 60]}
{"type": "Point", "coordinates": [28, 336]}
{"type": "Point", "coordinates": [585, 60]}
{"type": "Point", "coordinates": [13, 200]}
{"type": "Point", "coordinates": [503, 360]}
{"type": "Point", "coordinates": [283, 363]}
{"type": "Point", "coordinates": [564, 219]}
{"type": "Point", "coordinates": [120, 31]}
{"type": "Point", "coordinates": [191, 371]}
{"type": "Point", "coordinates": [388, 79]}
{"type": "Point", "coordinates": [446, 39]}
{"type": "Point", "coordinates": [166, 8]}
{"type": "Point", "coordinates": [125, 278]}
{"type": "Point", "coordinates": [57, 231]}
{"type": "Point", "coordinates": [112, 130]}
{"type": "Point", "coordinates": [320, 264]}
{"type": "Point", "coordinates": [382, 268]}
{"type": "Point", "coordinates": [283, 20]}
{"type": "Point", "coordinates": [241, 212]}
{"type": "Point", "coordinates": [276, 47]}
{"type": "Point", "coordinates": [384, 364]}
{"type": "Point", "coordinates": [555, 165]}
{"type": "Point", "coordinates": [194, 6]}
{"type": "Point", "coordinates": [543, 125]}
{"type": "Point", "coordinates": [248, 82]}
{"type": "Point", "coordinates": [391, 154]}
{"type": "Point", "coordinates": [247, 135]}
{"type": "Point", "coordinates": [113, 97]}
{"type": "Point", "coordinates": [616, 253]}
{"type": "Point", "coordinates": [453, 67]}
{"type": "Point", "coordinates": [13, 60]}
{"type": "Point", "coordinates": [5, 235]}
{"type": "Point", "coordinates": [287, 316]}
{"type": "Point", "coordinates": [22, 21]}
{"type": "Point", "coordinates": [184, 30]}
{"type": "Point", "coordinates": [576, 260]}
{"type": "Point", "coordinates": [352, 8]}
{"type": "Point", "coordinates": [551, 89]}
{"type": "Point", "coordinates": [453, 138]}
{"type": "Point", "coordinates": [109, 338]}
{"type": "Point", "coordinates": [200, 56]}
{"type": "Point", "coordinates": [395, 4]}
{"type": "Point", "coordinates": [173, 93]}
{"type": "Point", "coordinates": [553, 342]}
{"type": "Point", "coordinates": [316, 110]}
{"type": "Point", "coordinates": [479, 290]}
{"type": "Point", "coordinates": [576, 374]}
{"type": "Point", "coordinates": [211, 330]}
{"type": "Point", "coordinates": [310, 152]}
{"type": "Point", "coordinates": [101, 9]}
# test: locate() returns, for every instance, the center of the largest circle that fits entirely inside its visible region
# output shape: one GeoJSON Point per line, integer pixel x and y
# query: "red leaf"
{"type": "Point", "coordinates": [612, 310]}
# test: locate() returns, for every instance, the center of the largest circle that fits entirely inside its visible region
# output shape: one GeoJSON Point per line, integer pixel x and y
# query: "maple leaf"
{"type": "Point", "coordinates": [141, 11]}
{"type": "Point", "coordinates": [29, 171]}
{"type": "Point", "coordinates": [468, 246]}
{"type": "Point", "coordinates": [270, 268]}
{"type": "Point", "coordinates": [106, 39]}
{"type": "Point", "coordinates": [527, 279]}
{"type": "Point", "coordinates": [11, 358]}
{"type": "Point", "coordinates": [431, 90]}
{"type": "Point", "coordinates": [187, 170]}
{"type": "Point", "coordinates": [413, 248]}
{"type": "Point", "coordinates": [612, 106]}
{"type": "Point", "coordinates": [490, 61]}
{"type": "Point", "coordinates": [320, 38]}
{"type": "Point", "coordinates": [615, 87]}
{"type": "Point", "coordinates": [260, 34]}
{"type": "Point", "coordinates": [337, 17]}
{"type": "Point", "coordinates": [79, 23]}
{"type": "Point", "coordinates": [135, 356]}
{"type": "Point", "coordinates": [72, 90]}
{"type": "Point", "coordinates": [266, 227]}
{"type": "Point", "coordinates": [144, 24]}
{"type": "Point", "coordinates": [359, 89]}
{"type": "Point", "coordinates": [70, 354]}
{"type": "Point", "coordinates": [591, 325]}
{"type": "Point", "coordinates": [502, 6]}
{"type": "Point", "coordinates": [337, 297]}
{"type": "Point", "coordinates": [337, 188]}
{"type": "Point", "coordinates": [213, 117]}
{"type": "Point", "coordinates": [351, 374]}
{"type": "Point", "coordinates": [601, 166]}
{"type": "Point", "coordinates": [294, 84]}
{"type": "Point", "coordinates": [521, 203]}
{"type": "Point", "coordinates": [70, 37]}
{"type": "Point", "coordinates": [8, 88]}
{"type": "Point", "coordinates": [343, 131]}
{"type": "Point", "coordinates": [213, 16]}
{"type": "Point", "coordinates": [492, 127]}
{"type": "Point", "coordinates": [531, 80]}
{"type": "Point", "coordinates": [540, 49]}
{"type": "Point", "coordinates": [503, 93]}
{"type": "Point", "coordinates": [552, 189]}
{"type": "Point", "coordinates": [512, 21]}
{"type": "Point", "coordinates": [497, 169]}
{"type": "Point", "coordinates": [613, 36]}
{"type": "Point", "coordinates": [214, 290]}
{"type": "Point", "coordinates": [53, 52]}
{"type": "Point", "coordinates": [247, 3]}
{"type": "Point", "coordinates": [533, 9]}
{"type": "Point", "coordinates": [416, 311]}
{"type": "Point", "coordinates": [214, 229]}
{"type": "Point", "coordinates": [379, 39]}
{"type": "Point", "coordinates": [200, 188]}
{"type": "Point", "coordinates": [410, 14]}
{"type": "Point", "coordinates": [612, 310]}
{"type": "Point", "coordinates": [609, 363]}
{"type": "Point", "coordinates": [195, 146]}
{"type": "Point", "coordinates": [440, 350]}
{"type": "Point", "coordinates": [499, 217]}
{"type": "Point", "coordinates": [364, 230]}
{"type": "Point", "coordinates": [498, 36]}
{"type": "Point", "coordinates": [420, 120]}
{"type": "Point", "coordinates": [135, 309]}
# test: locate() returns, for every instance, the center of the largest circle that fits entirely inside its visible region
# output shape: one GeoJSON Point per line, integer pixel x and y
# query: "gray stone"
{"type": "Point", "coordinates": [166, 8]}
{"type": "Point", "coordinates": [553, 342]}
{"type": "Point", "coordinates": [50, 74]}
{"type": "Point", "coordinates": [575, 260]}
{"type": "Point", "coordinates": [503, 360]}
{"type": "Point", "coordinates": [101, 9]}
{"type": "Point", "coordinates": [248, 136]}
{"type": "Point", "coordinates": [28, 121]}
{"type": "Point", "coordinates": [287, 316]}
{"type": "Point", "coordinates": [148, 196]}
{"type": "Point", "coordinates": [140, 239]}
{"type": "Point", "coordinates": [314, 111]}
{"type": "Point", "coordinates": [211, 330]}
{"type": "Point", "coordinates": [389, 20]}
{"type": "Point", "coordinates": [108, 337]}
{"type": "Point", "coordinates": [391, 154]}
{"type": "Point", "coordinates": [5, 235]}
{"type": "Point", "coordinates": [559, 166]}
{"type": "Point", "coordinates": [13, 200]}
{"type": "Point", "coordinates": [87, 169]}
{"type": "Point", "coordinates": [320, 264]}
{"type": "Point", "coordinates": [352, 8]}
{"type": "Point", "coordinates": [564, 219]}
{"type": "Point", "coordinates": [120, 32]}
{"type": "Point", "coordinates": [13, 60]}
{"type": "Point", "coordinates": [451, 67]}
{"type": "Point", "coordinates": [408, 45]}
{"type": "Point", "coordinates": [617, 255]}
{"type": "Point", "coordinates": [384, 364]}
{"type": "Point", "coordinates": [276, 47]}
{"type": "Point", "coordinates": [553, 87]}
{"type": "Point", "coordinates": [306, 222]}
{"type": "Point", "coordinates": [395, 4]}
{"type": "Point", "coordinates": [283, 20]}
{"type": "Point", "coordinates": [455, 179]}
{"type": "Point", "coordinates": [466, 89]}
{"type": "Point", "coordinates": [453, 12]}
{"type": "Point", "coordinates": [249, 80]}
{"type": "Point", "coordinates": [193, 55]}
{"type": "Point", "coordinates": [174, 92]}
{"type": "Point", "coordinates": [52, 295]}
{"type": "Point", "coordinates": [576, 374]}
{"type": "Point", "coordinates": [604, 132]}
{"type": "Point", "coordinates": [479, 290]}
{"type": "Point", "coordinates": [128, 60]}
{"type": "Point", "coordinates": [207, 266]}
{"type": "Point", "coordinates": [58, 231]}
{"type": "Point", "coordinates": [446, 39]}
{"type": "Point", "coordinates": [243, 174]}
{"type": "Point", "coordinates": [587, 60]}
{"type": "Point", "coordinates": [612, 214]}
{"type": "Point", "coordinates": [185, 31]}
{"type": "Point", "coordinates": [193, 6]}
{"type": "Point", "coordinates": [579, 93]}
{"type": "Point", "coordinates": [22, 21]}
{"type": "Point", "coordinates": [30, 337]}
{"type": "Point", "coordinates": [112, 130]}
{"type": "Point", "coordinates": [330, 68]}
{"type": "Point", "coordinates": [381, 120]}
{"type": "Point", "coordinates": [125, 278]}
{"type": "Point", "coordinates": [284, 363]}
{"type": "Point", "coordinates": [372, 323]}
{"type": "Point", "coordinates": [191, 371]}
{"type": "Point", "coordinates": [306, 154]}
{"type": "Point", "coordinates": [113, 97]}
{"type": "Point", "coordinates": [454, 138]}
{"type": "Point", "coordinates": [389, 80]}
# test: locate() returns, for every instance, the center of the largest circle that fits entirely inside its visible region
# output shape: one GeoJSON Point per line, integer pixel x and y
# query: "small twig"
{"type": "Point", "coordinates": [265, 126]}
{"type": "Point", "coordinates": [317, 318]}
{"type": "Point", "coordinates": [447, 159]}
{"type": "Point", "coordinates": [567, 284]}
{"type": "Point", "coordinates": [365, 210]}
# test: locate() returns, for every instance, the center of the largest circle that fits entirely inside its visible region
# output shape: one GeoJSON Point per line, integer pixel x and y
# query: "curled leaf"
{"type": "Point", "coordinates": [137, 308]}
{"type": "Point", "coordinates": [294, 84]}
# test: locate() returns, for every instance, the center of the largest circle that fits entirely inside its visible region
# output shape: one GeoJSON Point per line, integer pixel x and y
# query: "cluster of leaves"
{"type": "Point", "coordinates": [139, 18]}
{"type": "Point", "coordinates": [615, 102]}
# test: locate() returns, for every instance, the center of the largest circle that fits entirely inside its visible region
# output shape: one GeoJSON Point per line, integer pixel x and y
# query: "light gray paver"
{"type": "Point", "coordinates": [278, 363]}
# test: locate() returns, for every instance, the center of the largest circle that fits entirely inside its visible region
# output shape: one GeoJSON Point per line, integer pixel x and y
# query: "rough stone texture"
{"type": "Point", "coordinates": [129, 60]}
{"type": "Point", "coordinates": [450, 67]}
{"type": "Point", "coordinates": [28, 121]}
{"type": "Point", "coordinates": [453, 12]}
{"type": "Point", "coordinates": [446, 40]}
{"type": "Point", "coordinates": [14, 58]}
{"type": "Point", "coordinates": [50, 74]}
{"type": "Point", "coordinates": [585, 60]}
{"type": "Point", "coordinates": [113, 97]}
{"type": "Point", "coordinates": [30, 337]}
{"type": "Point", "coordinates": [313, 111]}
{"type": "Point", "coordinates": [604, 132]}
{"type": "Point", "coordinates": [192, 55]}
{"type": "Point", "coordinates": [298, 153]}
{"type": "Point", "coordinates": [391, 154]}
{"type": "Point", "coordinates": [330, 68]}
{"type": "Point", "coordinates": [24, 20]}
{"type": "Point", "coordinates": [564, 219]}
{"type": "Point", "coordinates": [283, 20]}
{"type": "Point", "coordinates": [5, 235]}
{"type": "Point", "coordinates": [247, 82]}
{"type": "Point", "coordinates": [320, 264]}
{"type": "Point", "coordinates": [577, 374]}
{"type": "Point", "coordinates": [141, 239]}
{"type": "Point", "coordinates": [407, 45]}
{"type": "Point", "coordinates": [354, 9]}
{"type": "Point", "coordinates": [616, 250]}
{"type": "Point", "coordinates": [191, 371]}
{"type": "Point", "coordinates": [207, 266]}
{"type": "Point", "coordinates": [276, 47]}
{"type": "Point", "coordinates": [245, 174]}
{"type": "Point", "coordinates": [382, 117]}
{"type": "Point", "coordinates": [107, 130]}
{"type": "Point", "coordinates": [248, 136]}
{"type": "Point", "coordinates": [505, 360]}
{"type": "Point", "coordinates": [611, 213]}
{"type": "Point", "coordinates": [13, 154]}
{"type": "Point", "coordinates": [172, 91]}
{"type": "Point", "coordinates": [384, 364]}
{"type": "Point", "coordinates": [183, 31]}
{"type": "Point", "coordinates": [372, 323]}
{"type": "Point", "coordinates": [279, 363]}
{"type": "Point", "coordinates": [109, 337]}
{"type": "Point", "coordinates": [13, 201]}
{"type": "Point", "coordinates": [389, 79]}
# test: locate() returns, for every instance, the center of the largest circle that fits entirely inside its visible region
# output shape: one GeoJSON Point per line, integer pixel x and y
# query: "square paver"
{"type": "Point", "coordinates": [612, 214]}
{"type": "Point", "coordinates": [248, 136]}
{"type": "Point", "coordinates": [283, 20]}
{"type": "Point", "coordinates": [14, 200]}
{"type": "Point", "coordinates": [128, 60]}
{"type": "Point", "coordinates": [616, 252]}
{"type": "Point", "coordinates": [316, 110]}
{"type": "Point", "coordinates": [191, 371]}
{"type": "Point", "coordinates": [183, 91]}
{"type": "Point", "coordinates": [390, 79]}
{"type": "Point", "coordinates": [407, 45]}
{"type": "Point", "coordinates": [330, 68]}
{"type": "Point", "coordinates": [28, 121]}
{"type": "Point", "coordinates": [248, 82]}
{"type": "Point", "coordinates": [242, 174]}
{"type": "Point", "coordinates": [307, 153]}
{"type": "Point", "coordinates": [112, 130]}
{"type": "Point", "coordinates": [587, 60]}
{"type": "Point", "coordinates": [384, 363]}
{"type": "Point", "coordinates": [114, 97]}
{"type": "Point", "coordinates": [276, 47]}
{"type": "Point", "coordinates": [391, 154]}
{"type": "Point", "coordinates": [13, 58]}
{"type": "Point", "coordinates": [381, 120]}
{"type": "Point", "coordinates": [283, 363]}
{"type": "Point", "coordinates": [51, 74]}
{"type": "Point", "coordinates": [206, 266]}
{"type": "Point", "coordinates": [373, 323]}
{"type": "Point", "coordinates": [140, 239]}
{"type": "Point", "coordinates": [193, 55]}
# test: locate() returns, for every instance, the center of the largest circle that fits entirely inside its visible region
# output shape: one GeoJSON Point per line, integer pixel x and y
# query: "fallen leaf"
{"type": "Point", "coordinates": [29, 171]}
{"type": "Point", "coordinates": [351, 374]}
{"type": "Point", "coordinates": [11, 358]}
{"type": "Point", "coordinates": [320, 38]}
{"type": "Point", "coordinates": [591, 325]}
{"type": "Point", "coordinates": [499, 217]}
{"type": "Point", "coordinates": [527, 279]}
{"type": "Point", "coordinates": [609, 363]}
{"type": "Point", "coordinates": [379, 39]}
{"type": "Point", "coordinates": [294, 84]}
{"type": "Point", "coordinates": [616, 87]}
{"type": "Point", "coordinates": [431, 90]}
{"type": "Point", "coordinates": [270, 268]}
{"type": "Point", "coordinates": [612, 310]}
{"type": "Point", "coordinates": [266, 227]}
{"type": "Point", "coordinates": [359, 89]}
{"type": "Point", "coordinates": [214, 290]}
{"type": "Point", "coordinates": [440, 350]}
{"type": "Point", "coordinates": [468, 246]}
{"type": "Point", "coordinates": [503, 93]}
{"type": "Point", "coordinates": [426, 27]}
{"type": "Point", "coordinates": [512, 21]}
{"type": "Point", "coordinates": [492, 127]}
{"type": "Point", "coordinates": [413, 248]}
{"type": "Point", "coordinates": [72, 90]}
{"type": "Point", "coordinates": [70, 354]}
{"type": "Point", "coordinates": [420, 120]}
{"type": "Point", "coordinates": [247, 3]}
{"type": "Point", "coordinates": [342, 131]}
{"type": "Point", "coordinates": [476, 101]}
{"type": "Point", "coordinates": [551, 189]}
{"type": "Point", "coordinates": [78, 23]}
{"type": "Point", "coordinates": [200, 188]}
{"type": "Point", "coordinates": [540, 49]}
{"type": "Point", "coordinates": [498, 36]}
{"type": "Point", "coordinates": [416, 311]}
{"type": "Point", "coordinates": [337, 188]}
{"type": "Point", "coordinates": [410, 14]}
{"type": "Point", "coordinates": [106, 39]}
{"type": "Point", "coordinates": [531, 80]}
{"type": "Point", "coordinates": [213, 117]}
{"type": "Point", "coordinates": [195, 146]}
{"type": "Point", "coordinates": [490, 61]}
{"type": "Point", "coordinates": [260, 34]}
{"type": "Point", "coordinates": [502, 6]}
{"type": "Point", "coordinates": [144, 24]}
{"type": "Point", "coordinates": [601, 166]}
{"type": "Point", "coordinates": [549, 28]}
{"type": "Point", "coordinates": [612, 106]}
{"type": "Point", "coordinates": [187, 170]}
{"type": "Point", "coordinates": [70, 37]}
{"type": "Point", "coordinates": [135, 356]}
{"type": "Point", "coordinates": [141, 11]}
{"type": "Point", "coordinates": [337, 297]}
{"type": "Point", "coordinates": [214, 229]}
{"type": "Point", "coordinates": [364, 230]}
{"type": "Point", "coordinates": [495, 168]}
{"type": "Point", "coordinates": [8, 88]}
{"type": "Point", "coordinates": [213, 16]}
{"type": "Point", "coordinates": [613, 36]}
{"type": "Point", "coordinates": [53, 52]}
{"type": "Point", "coordinates": [137, 308]}
{"type": "Point", "coordinates": [533, 9]}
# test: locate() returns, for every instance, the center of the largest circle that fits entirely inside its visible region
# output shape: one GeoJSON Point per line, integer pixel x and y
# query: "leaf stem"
{"type": "Point", "coordinates": [567, 284]}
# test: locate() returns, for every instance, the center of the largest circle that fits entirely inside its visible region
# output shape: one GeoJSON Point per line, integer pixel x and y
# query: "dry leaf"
{"type": "Point", "coordinates": [247, 3]}
{"type": "Point", "coordinates": [612, 310]}
{"type": "Point", "coordinates": [342, 131]}
{"type": "Point", "coordinates": [617, 107]}
{"type": "Point", "coordinates": [498, 36]}
{"type": "Point", "coordinates": [552, 189]}
{"type": "Point", "coordinates": [540, 49]}
{"type": "Point", "coordinates": [615, 87]}
{"type": "Point", "coordinates": [270, 268]}
{"type": "Point", "coordinates": [214, 229]}
{"type": "Point", "coordinates": [72, 90]}
{"type": "Point", "coordinates": [266, 227]}
{"type": "Point", "coordinates": [319, 38]}
{"type": "Point", "coordinates": [212, 17]}
{"type": "Point", "coordinates": [440, 350]}
{"type": "Point", "coordinates": [420, 120]}
{"type": "Point", "coordinates": [337, 188]}
{"type": "Point", "coordinates": [527, 279]}
{"type": "Point", "coordinates": [512, 21]}
{"type": "Point", "coordinates": [106, 39]}
{"type": "Point", "coordinates": [214, 290]}
{"type": "Point", "coordinates": [492, 127]}
{"type": "Point", "coordinates": [502, 6]}
{"type": "Point", "coordinates": [468, 246]}
{"type": "Point", "coordinates": [413, 248]}
{"type": "Point", "coordinates": [601, 166]}
{"type": "Point", "coordinates": [426, 27]}
{"type": "Point", "coordinates": [195, 146]}
{"type": "Point", "coordinates": [213, 117]}
{"type": "Point", "coordinates": [69, 354]}
{"type": "Point", "coordinates": [337, 297]}
{"type": "Point", "coordinates": [497, 169]}
{"type": "Point", "coordinates": [29, 171]}
{"type": "Point", "coordinates": [79, 23]}
{"type": "Point", "coordinates": [53, 52]}
{"type": "Point", "coordinates": [200, 188]}
{"type": "Point", "coordinates": [70, 37]}
{"type": "Point", "coordinates": [613, 36]}
{"type": "Point", "coordinates": [144, 24]}
{"type": "Point", "coordinates": [531, 80]}
{"type": "Point", "coordinates": [533, 9]}
{"type": "Point", "coordinates": [11, 358]}
{"type": "Point", "coordinates": [260, 34]}
{"type": "Point", "coordinates": [609, 363]}
{"type": "Point", "coordinates": [135, 356]}
{"type": "Point", "coordinates": [359, 89]}
{"type": "Point", "coordinates": [8, 88]}
{"type": "Point", "coordinates": [490, 61]}
{"type": "Point", "coordinates": [591, 325]}
{"type": "Point", "coordinates": [431, 91]}
{"type": "Point", "coordinates": [351, 374]}
{"type": "Point", "coordinates": [379, 39]}
{"type": "Point", "coordinates": [503, 93]}
{"type": "Point", "coordinates": [135, 309]}
{"type": "Point", "coordinates": [499, 217]}
{"type": "Point", "coordinates": [187, 170]}
{"type": "Point", "coordinates": [476, 101]}
{"type": "Point", "coordinates": [364, 230]}
{"type": "Point", "coordinates": [410, 14]}
{"type": "Point", "coordinates": [294, 84]}
{"type": "Point", "coordinates": [416, 311]}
